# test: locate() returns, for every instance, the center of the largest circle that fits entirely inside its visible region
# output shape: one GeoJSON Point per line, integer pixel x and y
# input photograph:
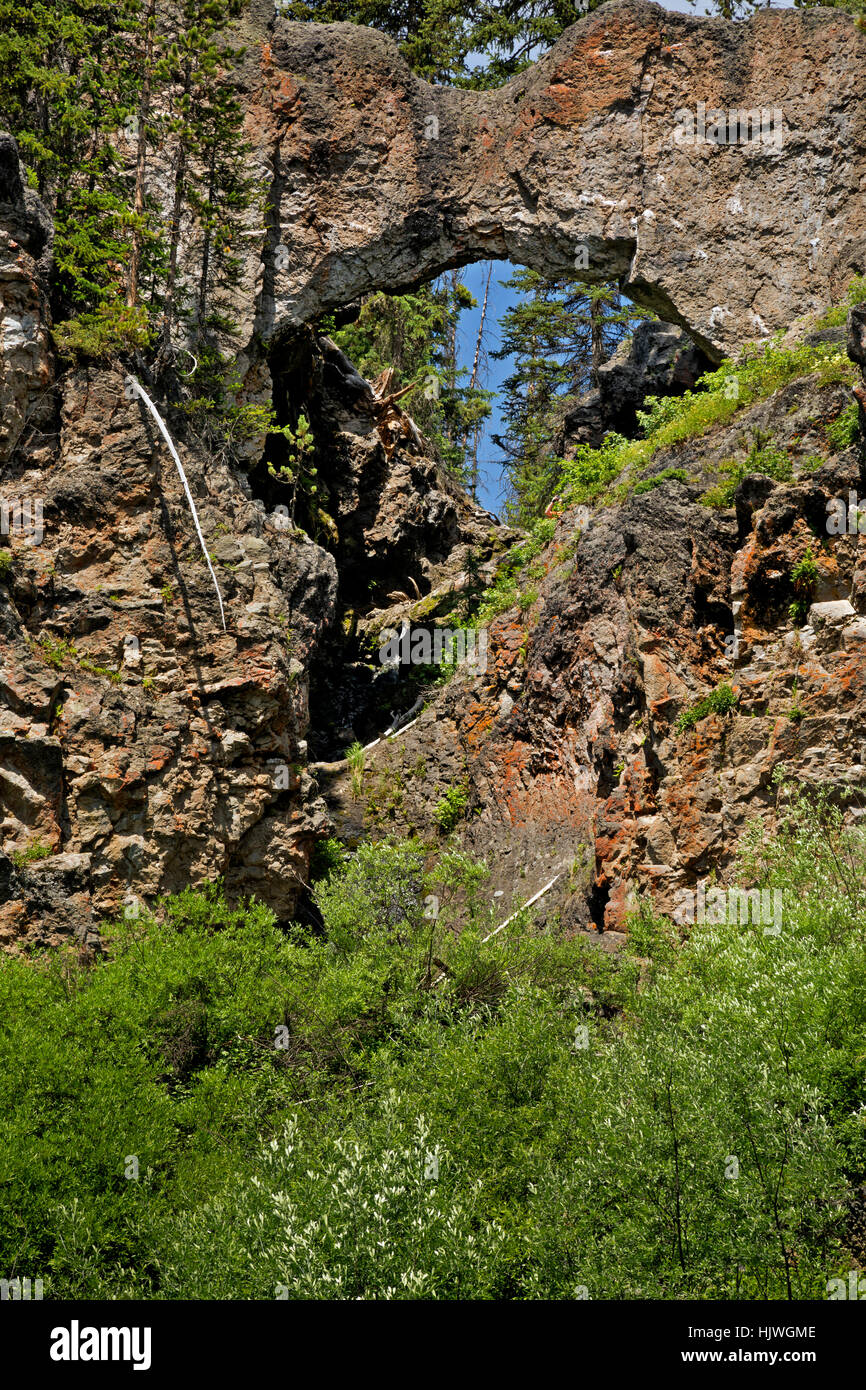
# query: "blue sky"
{"type": "Point", "coordinates": [491, 491]}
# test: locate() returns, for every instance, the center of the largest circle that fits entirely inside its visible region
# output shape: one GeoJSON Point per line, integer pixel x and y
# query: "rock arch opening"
{"type": "Point", "coordinates": [380, 181]}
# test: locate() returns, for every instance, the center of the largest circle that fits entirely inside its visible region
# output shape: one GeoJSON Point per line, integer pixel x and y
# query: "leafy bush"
{"type": "Point", "coordinates": [452, 808]}
{"type": "Point", "coordinates": [392, 1106]}
{"type": "Point", "coordinates": [356, 758]}
{"type": "Point", "coordinates": [765, 458]}
{"type": "Point", "coordinates": [34, 852]}
{"type": "Point", "coordinates": [111, 329]}
{"type": "Point", "coordinates": [719, 701]}
{"type": "Point", "coordinates": [328, 857]}
{"type": "Point", "coordinates": [762, 370]}
{"type": "Point", "coordinates": [367, 1222]}
{"type": "Point", "coordinates": [836, 316]}
{"type": "Point", "coordinates": [843, 431]}
{"type": "Point", "coordinates": [678, 475]}
{"type": "Point", "coordinates": [505, 591]}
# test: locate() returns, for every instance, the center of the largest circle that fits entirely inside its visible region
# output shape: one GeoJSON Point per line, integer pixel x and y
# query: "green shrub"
{"type": "Point", "coordinates": [678, 475]}
{"type": "Point", "coordinates": [505, 592]}
{"type": "Point", "coordinates": [452, 808]}
{"type": "Point", "coordinates": [761, 370]}
{"type": "Point", "coordinates": [842, 432]}
{"type": "Point", "coordinates": [526, 598]}
{"type": "Point", "coordinates": [357, 758]}
{"type": "Point", "coordinates": [836, 316]}
{"type": "Point", "coordinates": [35, 851]}
{"type": "Point", "coordinates": [113, 328]}
{"type": "Point", "coordinates": [328, 857]}
{"type": "Point", "coordinates": [391, 1106]}
{"type": "Point", "coordinates": [765, 457]}
{"type": "Point", "coordinates": [719, 701]}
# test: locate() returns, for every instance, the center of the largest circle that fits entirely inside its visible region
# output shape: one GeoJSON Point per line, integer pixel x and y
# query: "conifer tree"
{"type": "Point", "coordinates": [467, 45]}
{"type": "Point", "coordinates": [69, 80]}
{"type": "Point", "coordinates": [558, 333]}
{"type": "Point", "coordinates": [417, 335]}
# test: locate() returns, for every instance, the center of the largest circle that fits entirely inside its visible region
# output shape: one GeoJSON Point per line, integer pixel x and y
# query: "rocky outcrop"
{"type": "Point", "coordinates": [142, 748]}
{"type": "Point", "coordinates": [658, 360]}
{"type": "Point", "coordinates": [378, 180]}
{"type": "Point", "coordinates": [567, 747]}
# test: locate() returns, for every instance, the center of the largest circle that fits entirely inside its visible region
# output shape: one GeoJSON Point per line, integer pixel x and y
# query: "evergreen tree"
{"type": "Point", "coordinates": [207, 185]}
{"type": "Point", "coordinates": [468, 45]}
{"type": "Point", "coordinates": [417, 335]}
{"type": "Point", "coordinates": [69, 80]}
{"type": "Point", "coordinates": [558, 333]}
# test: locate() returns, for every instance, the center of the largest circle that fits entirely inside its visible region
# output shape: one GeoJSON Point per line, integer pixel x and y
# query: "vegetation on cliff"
{"type": "Point", "coordinates": [390, 1109]}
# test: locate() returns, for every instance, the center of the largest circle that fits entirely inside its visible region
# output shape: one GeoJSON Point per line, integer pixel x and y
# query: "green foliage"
{"type": "Point", "coordinates": [328, 857]}
{"type": "Point", "coordinates": [476, 45]}
{"type": "Point", "coordinates": [796, 712]}
{"type": "Point", "coordinates": [762, 370]}
{"type": "Point", "coordinates": [297, 470]}
{"type": "Point", "coordinates": [719, 701]}
{"type": "Point", "coordinates": [526, 598]}
{"type": "Point", "coordinates": [452, 808]}
{"type": "Point", "coordinates": [5, 566]}
{"type": "Point", "coordinates": [677, 475]}
{"type": "Point", "coordinates": [356, 758]}
{"type": "Point", "coordinates": [836, 316]}
{"type": "Point", "coordinates": [765, 457]}
{"type": "Point", "coordinates": [416, 335]}
{"type": "Point", "coordinates": [113, 328]}
{"type": "Point", "coordinates": [805, 572]}
{"type": "Point", "coordinates": [393, 1107]}
{"type": "Point", "coordinates": [74, 76]}
{"type": "Point", "coordinates": [60, 654]}
{"type": "Point", "coordinates": [35, 851]}
{"type": "Point", "coordinates": [843, 431]}
{"type": "Point", "coordinates": [210, 403]}
{"type": "Point", "coordinates": [505, 591]}
{"type": "Point", "coordinates": [557, 333]}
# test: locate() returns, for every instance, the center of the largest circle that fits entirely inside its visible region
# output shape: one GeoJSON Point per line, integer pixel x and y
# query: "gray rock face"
{"type": "Point", "coordinates": [660, 360]}
{"type": "Point", "coordinates": [568, 744]}
{"type": "Point", "coordinates": [380, 181]}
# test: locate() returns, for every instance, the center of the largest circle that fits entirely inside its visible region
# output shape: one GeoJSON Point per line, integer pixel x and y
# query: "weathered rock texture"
{"type": "Point", "coordinates": [659, 360]}
{"type": "Point", "coordinates": [379, 180]}
{"type": "Point", "coordinates": [145, 749]}
{"type": "Point", "coordinates": [568, 747]}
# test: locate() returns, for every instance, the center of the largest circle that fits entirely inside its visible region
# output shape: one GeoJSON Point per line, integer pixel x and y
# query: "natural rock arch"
{"type": "Point", "coordinates": [380, 181]}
